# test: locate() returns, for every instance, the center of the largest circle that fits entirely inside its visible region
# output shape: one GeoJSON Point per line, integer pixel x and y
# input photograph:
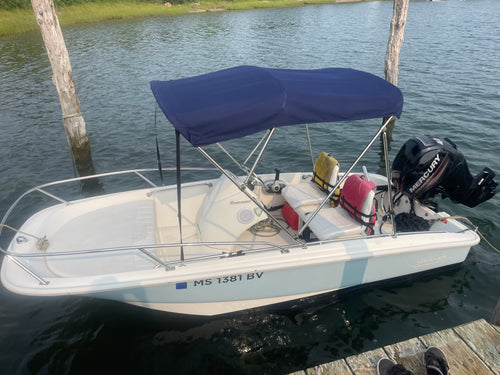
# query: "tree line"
{"type": "Point", "coordinates": [25, 4]}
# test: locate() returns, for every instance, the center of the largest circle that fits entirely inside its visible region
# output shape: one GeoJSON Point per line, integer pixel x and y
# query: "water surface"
{"type": "Point", "coordinates": [449, 75]}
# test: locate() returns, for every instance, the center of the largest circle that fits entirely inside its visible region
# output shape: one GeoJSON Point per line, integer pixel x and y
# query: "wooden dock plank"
{"type": "Point", "coordinates": [484, 340]}
{"type": "Point", "coordinates": [471, 349]}
{"type": "Point", "coordinates": [366, 363]}
{"type": "Point", "coordinates": [409, 353]}
{"type": "Point", "coordinates": [339, 367]}
{"type": "Point", "coordinates": [461, 358]}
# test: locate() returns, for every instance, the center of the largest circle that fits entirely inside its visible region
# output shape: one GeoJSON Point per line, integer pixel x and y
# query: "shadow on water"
{"type": "Point", "coordinates": [92, 187]}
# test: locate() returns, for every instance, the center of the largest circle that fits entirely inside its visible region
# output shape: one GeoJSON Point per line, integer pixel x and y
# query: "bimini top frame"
{"type": "Point", "coordinates": [245, 100]}
{"type": "Point", "coordinates": [248, 185]}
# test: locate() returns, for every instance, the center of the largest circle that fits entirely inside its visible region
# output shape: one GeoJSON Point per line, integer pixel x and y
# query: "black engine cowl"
{"type": "Point", "coordinates": [426, 166]}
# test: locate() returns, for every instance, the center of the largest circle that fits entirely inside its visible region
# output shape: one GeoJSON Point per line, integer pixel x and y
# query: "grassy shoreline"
{"type": "Point", "coordinates": [23, 20]}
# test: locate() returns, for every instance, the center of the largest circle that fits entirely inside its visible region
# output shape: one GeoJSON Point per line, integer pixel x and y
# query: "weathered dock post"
{"type": "Point", "coordinates": [73, 121]}
{"type": "Point", "coordinates": [391, 69]}
{"type": "Point", "coordinates": [396, 37]}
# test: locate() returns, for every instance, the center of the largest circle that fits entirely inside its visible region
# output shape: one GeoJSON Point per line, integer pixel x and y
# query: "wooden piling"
{"type": "Point", "coordinates": [396, 37]}
{"type": "Point", "coordinates": [393, 52]}
{"type": "Point", "coordinates": [73, 121]}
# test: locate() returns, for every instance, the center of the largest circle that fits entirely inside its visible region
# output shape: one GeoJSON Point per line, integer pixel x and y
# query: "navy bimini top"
{"type": "Point", "coordinates": [244, 100]}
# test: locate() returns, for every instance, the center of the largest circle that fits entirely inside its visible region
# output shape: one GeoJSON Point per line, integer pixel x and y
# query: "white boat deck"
{"type": "Point", "coordinates": [117, 223]}
{"type": "Point", "coordinates": [146, 217]}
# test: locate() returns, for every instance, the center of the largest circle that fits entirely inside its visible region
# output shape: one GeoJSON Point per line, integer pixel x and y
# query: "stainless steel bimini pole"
{"type": "Point", "coordinates": [257, 161]}
{"type": "Point", "coordinates": [310, 145]}
{"type": "Point", "coordinates": [244, 189]}
{"type": "Point", "coordinates": [346, 174]}
{"type": "Point", "coordinates": [388, 172]}
{"type": "Point", "coordinates": [243, 166]}
{"type": "Point", "coordinates": [178, 167]}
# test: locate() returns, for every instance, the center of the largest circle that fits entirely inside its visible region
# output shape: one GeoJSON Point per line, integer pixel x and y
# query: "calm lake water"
{"type": "Point", "coordinates": [449, 74]}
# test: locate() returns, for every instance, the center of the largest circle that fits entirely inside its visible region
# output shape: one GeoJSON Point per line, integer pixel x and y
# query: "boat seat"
{"type": "Point", "coordinates": [354, 216]}
{"type": "Point", "coordinates": [334, 222]}
{"type": "Point", "coordinates": [325, 176]}
{"type": "Point", "coordinates": [303, 194]}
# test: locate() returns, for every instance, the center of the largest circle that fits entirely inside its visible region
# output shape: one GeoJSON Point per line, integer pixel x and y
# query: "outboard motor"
{"type": "Point", "coordinates": [426, 166]}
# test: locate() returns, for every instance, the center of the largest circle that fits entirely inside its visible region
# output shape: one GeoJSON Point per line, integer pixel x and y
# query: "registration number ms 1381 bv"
{"type": "Point", "coordinates": [229, 279]}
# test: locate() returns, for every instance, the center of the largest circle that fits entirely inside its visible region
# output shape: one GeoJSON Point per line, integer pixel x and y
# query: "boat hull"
{"type": "Point", "coordinates": [224, 278]}
{"type": "Point", "coordinates": [242, 282]}
{"type": "Point", "coordinates": [263, 286]}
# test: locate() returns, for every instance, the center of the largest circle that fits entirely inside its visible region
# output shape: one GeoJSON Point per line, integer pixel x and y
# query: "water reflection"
{"type": "Point", "coordinates": [88, 335]}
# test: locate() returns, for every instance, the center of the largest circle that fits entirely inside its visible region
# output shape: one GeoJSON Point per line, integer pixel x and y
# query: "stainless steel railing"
{"type": "Point", "coordinates": [144, 249]}
{"type": "Point", "coordinates": [41, 188]}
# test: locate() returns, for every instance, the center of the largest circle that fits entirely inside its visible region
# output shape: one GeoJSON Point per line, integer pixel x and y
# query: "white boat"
{"type": "Point", "coordinates": [243, 241]}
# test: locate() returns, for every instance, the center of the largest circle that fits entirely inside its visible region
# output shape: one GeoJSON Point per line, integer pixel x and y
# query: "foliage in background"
{"type": "Point", "coordinates": [14, 4]}
{"type": "Point", "coordinates": [25, 4]}
{"type": "Point", "coordinates": [20, 20]}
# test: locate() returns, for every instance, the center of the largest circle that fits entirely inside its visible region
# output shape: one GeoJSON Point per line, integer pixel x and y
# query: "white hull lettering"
{"type": "Point", "coordinates": [229, 279]}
